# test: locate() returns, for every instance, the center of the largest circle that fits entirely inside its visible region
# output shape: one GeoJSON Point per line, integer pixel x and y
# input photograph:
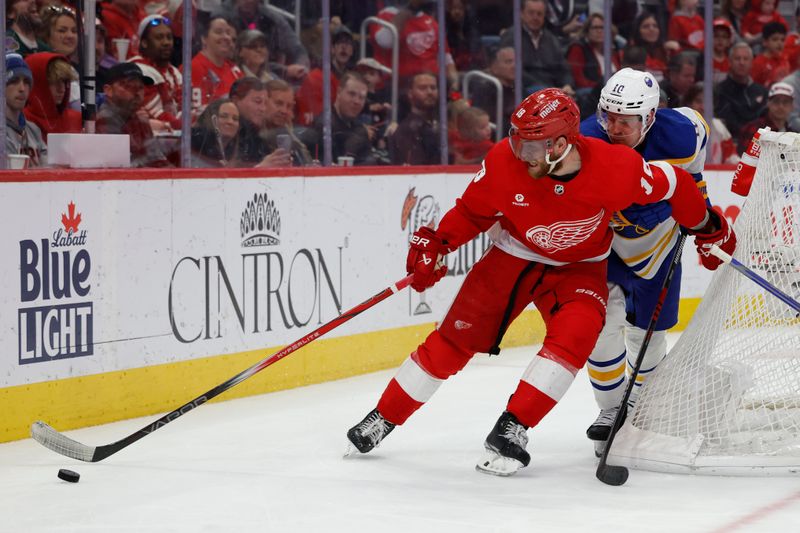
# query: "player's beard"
{"type": "Point", "coordinates": [539, 170]}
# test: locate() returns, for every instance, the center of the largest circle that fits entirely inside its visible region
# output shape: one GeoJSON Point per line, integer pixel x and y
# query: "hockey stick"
{"type": "Point", "coordinates": [59, 443]}
{"type": "Point", "coordinates": [761, 282]}
{"type": "Point", "coordinates": [618, 475]}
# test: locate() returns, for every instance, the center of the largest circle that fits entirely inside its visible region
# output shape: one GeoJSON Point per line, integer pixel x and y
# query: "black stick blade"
{"type": "Point", "coordinates": [612, 475]}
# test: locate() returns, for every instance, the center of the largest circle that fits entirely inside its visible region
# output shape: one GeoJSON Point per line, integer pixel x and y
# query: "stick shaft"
{"type": "Point", "coordinates": [761, 282]}
{"type": "Point", "coordinates": [602, 469]}
{"type": "Point", "coordinates": [59, 443]}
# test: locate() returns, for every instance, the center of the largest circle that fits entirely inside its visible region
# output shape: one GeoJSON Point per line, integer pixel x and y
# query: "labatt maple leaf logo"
{"type": "Point", "coordinates": [72, 221]}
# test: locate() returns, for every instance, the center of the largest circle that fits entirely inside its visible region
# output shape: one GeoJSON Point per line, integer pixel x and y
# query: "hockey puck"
{"type": "Point", "coordinates": [69, 475]}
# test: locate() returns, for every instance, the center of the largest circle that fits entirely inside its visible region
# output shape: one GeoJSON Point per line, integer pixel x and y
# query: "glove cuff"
{"type": "Point", "coordinates": [712, 224]}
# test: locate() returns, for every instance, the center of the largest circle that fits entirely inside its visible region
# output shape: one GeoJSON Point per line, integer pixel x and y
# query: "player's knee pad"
{"type": "Point", "coordinates": [440, 357]}
{"type": "Point", "coordinates": [607, 351]}
{"type": "Point", "coordinates": [573, 332]}
{"type": "Point", "coordinates": [606, 365]}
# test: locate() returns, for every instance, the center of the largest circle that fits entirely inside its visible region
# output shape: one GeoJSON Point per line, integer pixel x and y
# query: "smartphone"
{"type": "Point", "coordinates": [284, 141]}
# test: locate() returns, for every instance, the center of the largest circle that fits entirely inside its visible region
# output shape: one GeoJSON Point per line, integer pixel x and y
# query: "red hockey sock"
{"type": "Point", "coordinates": [396, 405]}
{"type": "Point", "coordinates": [529, 404]}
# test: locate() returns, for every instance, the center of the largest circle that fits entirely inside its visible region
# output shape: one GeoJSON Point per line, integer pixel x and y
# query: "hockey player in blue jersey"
{"type": "Point", "coordinates": [645, 237]}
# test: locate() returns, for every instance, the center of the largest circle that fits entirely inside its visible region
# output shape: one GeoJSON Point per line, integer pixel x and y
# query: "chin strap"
{"type": "Point", "coordinates": [557, 161]}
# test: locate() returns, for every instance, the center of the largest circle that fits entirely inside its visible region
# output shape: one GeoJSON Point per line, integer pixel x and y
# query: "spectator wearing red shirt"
{"type": "Point", "coordinates": [473, 141]}
{"type": "Point", "coordinates": [162, 100]}
{"type": "Point", "coordinates": [771, 65]}
{"type": "Point", "coordinates": [585, 57]}
{"type": "Point", "coordinates": [723, 38]}
{"type": "Point", "coordinates": [213, 71]}
{"type": "Point", "coordinates": [791, 48]}
{"type": "Point", "coordinates": [761, 12]}
{"type": "Point", "coordinates": [121, 19]}
{"type": "Point", "coordinates": [419, 40]}
{"type": "Point", "coordinates": [124, 90]}
{"type": "Point", "coordinates": [48, 103]}
{"type": "Point", "coordinates": [686, 26]}
{"type": "Point", "coordinates": [647, 34]}
{"type": "Point", "coordinates": [309, 96]}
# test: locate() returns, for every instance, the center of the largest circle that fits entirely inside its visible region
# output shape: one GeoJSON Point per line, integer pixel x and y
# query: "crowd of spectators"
{"type": "Point", "coordinates": [257, 84]}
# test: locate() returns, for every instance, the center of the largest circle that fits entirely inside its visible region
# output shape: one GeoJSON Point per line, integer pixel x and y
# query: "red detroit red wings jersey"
{"type": "Point", "coordinates": [559, 222]}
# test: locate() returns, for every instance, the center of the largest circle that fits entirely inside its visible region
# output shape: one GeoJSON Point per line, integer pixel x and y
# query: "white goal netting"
{"type": "Point", "coordinates": [726, 400]}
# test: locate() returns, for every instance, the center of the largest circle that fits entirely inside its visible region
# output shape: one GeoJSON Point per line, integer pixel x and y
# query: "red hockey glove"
{"type": "Point", "coordinates": [716, 231]}
{"type": "Point", "coordinates": [425, 259]}
{"type": "Point", "coordinates": [746, 169]}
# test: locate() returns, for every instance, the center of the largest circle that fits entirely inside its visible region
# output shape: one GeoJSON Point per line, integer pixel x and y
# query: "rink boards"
{"type": "Point", "coordinates": [128, 293]}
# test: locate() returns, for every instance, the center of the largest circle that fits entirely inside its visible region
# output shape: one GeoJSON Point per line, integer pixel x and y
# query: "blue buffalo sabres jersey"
{"type": "Point", "coordinates": [644, 235]}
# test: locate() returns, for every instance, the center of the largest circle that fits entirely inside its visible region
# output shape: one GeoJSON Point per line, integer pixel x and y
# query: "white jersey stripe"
{"type": "Point", "coordinates": [669, 172]}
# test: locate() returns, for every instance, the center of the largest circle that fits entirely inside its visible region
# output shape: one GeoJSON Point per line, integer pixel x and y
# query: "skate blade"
{"type": "Point", "coordinates": [497, 465]}
{"type": "Point", "coordinates": [350, 450]}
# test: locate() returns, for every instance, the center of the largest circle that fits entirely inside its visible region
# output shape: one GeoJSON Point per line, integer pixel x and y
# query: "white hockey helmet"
{"type": "Point", "coordinates": [630, 92]}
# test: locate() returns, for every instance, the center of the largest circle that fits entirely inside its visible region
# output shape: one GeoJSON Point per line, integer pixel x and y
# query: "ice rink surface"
{"type": "Point", "coordinates": [273, 463]}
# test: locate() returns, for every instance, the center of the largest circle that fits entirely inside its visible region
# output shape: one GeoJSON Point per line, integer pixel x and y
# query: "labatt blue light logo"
{"type": "Point", "coordinates": [54, 273]}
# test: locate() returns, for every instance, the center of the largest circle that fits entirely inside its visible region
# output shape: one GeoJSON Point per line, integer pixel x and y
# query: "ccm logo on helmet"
{"type": "Point", "coordinates": [549, 108]}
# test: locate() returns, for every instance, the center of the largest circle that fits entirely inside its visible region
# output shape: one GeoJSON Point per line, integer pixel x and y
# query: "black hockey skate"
{"type": "Point", "coordinates": [600, 430]}
{"type": "Point", "coordinates": [369, 433]}
{"type": "Point", "coordinates": [505, 447]}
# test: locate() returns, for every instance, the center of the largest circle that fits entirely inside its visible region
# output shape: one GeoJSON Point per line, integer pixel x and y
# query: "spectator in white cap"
{"type": "Point", "coordinates": [378, 107]}
{"type": "Point", "coordinates": [162, 100]}
{"type": "Point", "coordinates": [780, 103]}
{"type": "Point", "coordinates": [22, 136]}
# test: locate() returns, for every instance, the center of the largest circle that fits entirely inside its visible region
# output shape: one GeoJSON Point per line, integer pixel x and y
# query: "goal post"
{"type": "Point", "coordinates": [726, 400]}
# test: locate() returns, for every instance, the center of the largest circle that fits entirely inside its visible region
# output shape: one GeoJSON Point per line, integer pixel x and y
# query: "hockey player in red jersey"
{"type": "Point", "coordinates": [545, 195]}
